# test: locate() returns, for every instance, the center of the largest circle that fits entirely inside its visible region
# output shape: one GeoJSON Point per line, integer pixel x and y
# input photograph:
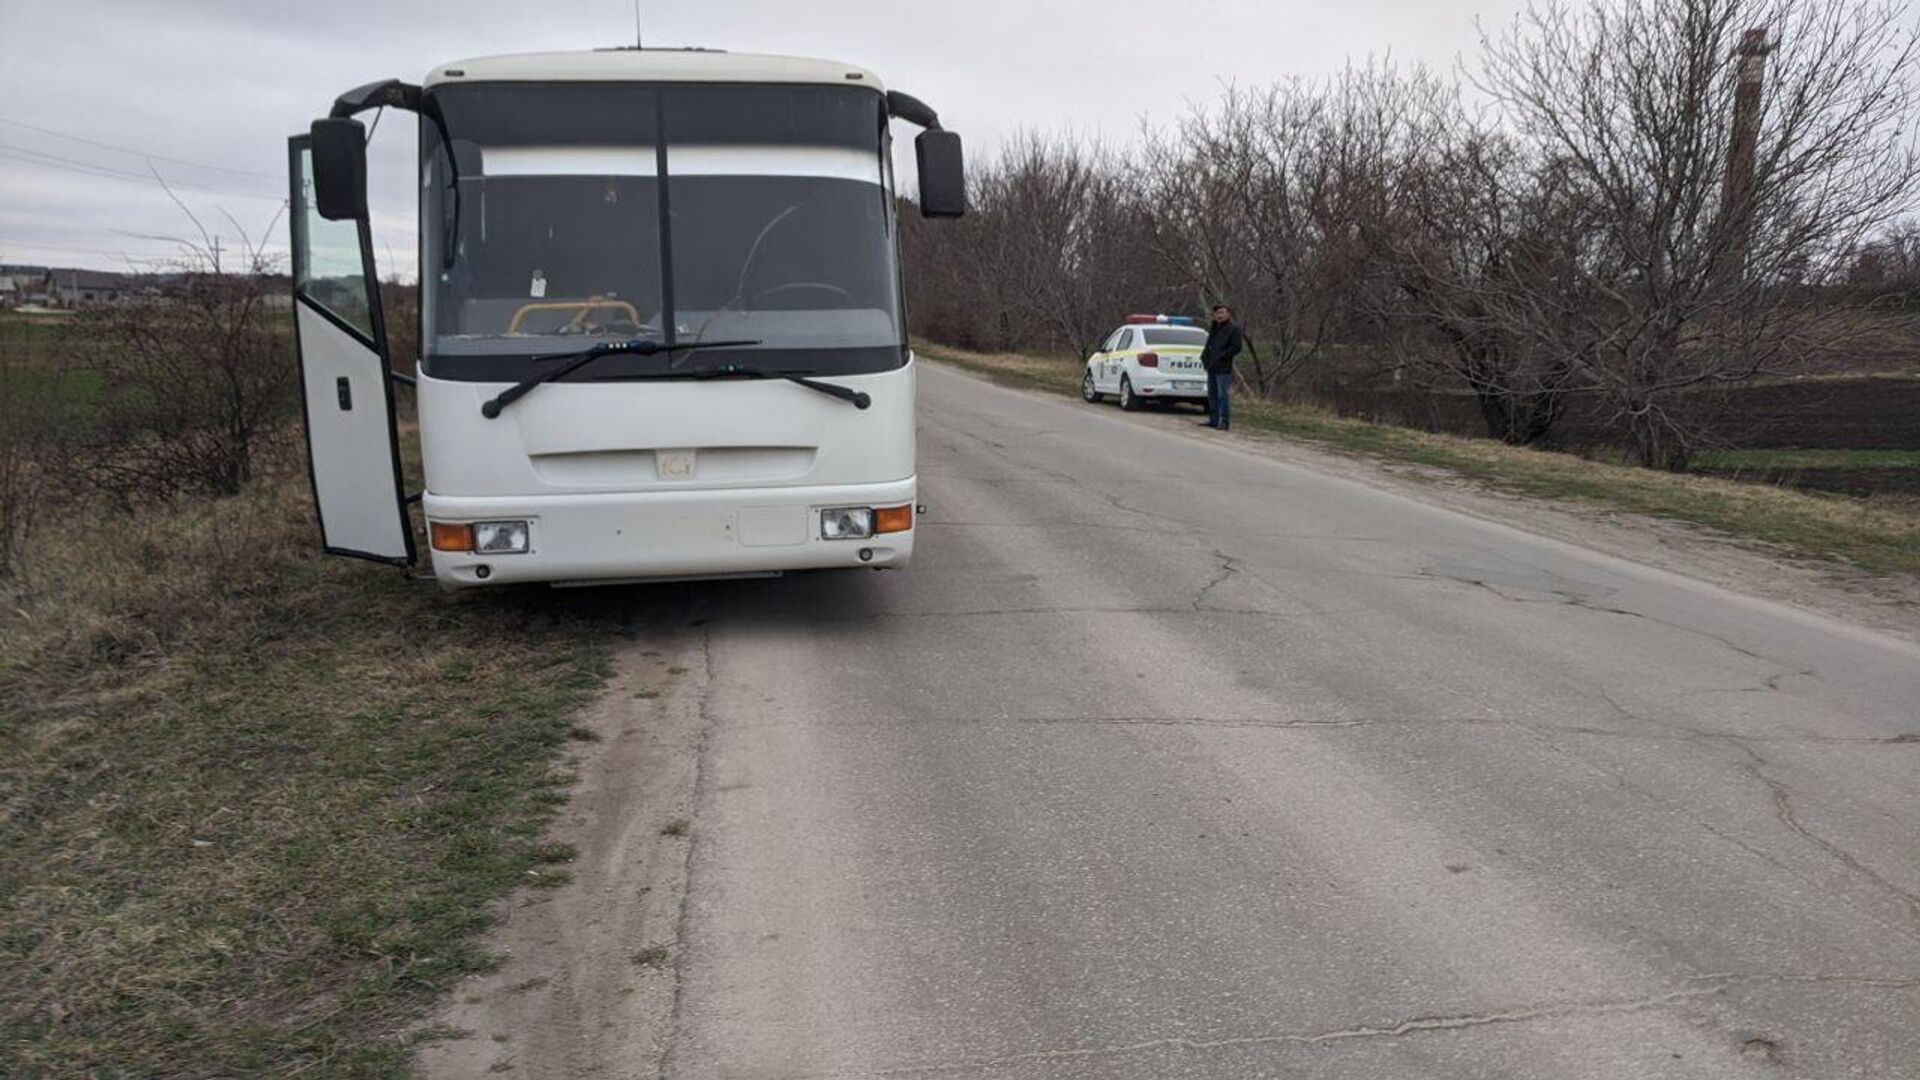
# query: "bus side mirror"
{"type": "Point", "coordinates": [339, 168]}
{"type": "Point", "coordinates": [943, 174]}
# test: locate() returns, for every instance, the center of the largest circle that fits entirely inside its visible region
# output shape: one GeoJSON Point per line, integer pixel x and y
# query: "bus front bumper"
{"type": "Point", "coordinates": [628, 536]}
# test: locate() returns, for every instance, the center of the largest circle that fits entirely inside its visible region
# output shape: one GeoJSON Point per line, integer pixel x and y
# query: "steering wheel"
{"type": "Point", "coordinates": [820, 285]}
{"type": "Point", "coordinates": [610, 326]}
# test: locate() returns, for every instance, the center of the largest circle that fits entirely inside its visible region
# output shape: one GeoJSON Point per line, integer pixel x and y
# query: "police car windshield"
{"type": "Point", "coordinates": [603, 212]}
{"type": "Point", "coordinates": [1175, 335]}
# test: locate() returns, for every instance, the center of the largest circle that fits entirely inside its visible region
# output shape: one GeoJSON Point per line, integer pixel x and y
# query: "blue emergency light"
{"type": "Point", "coordinates": [1169, 320]}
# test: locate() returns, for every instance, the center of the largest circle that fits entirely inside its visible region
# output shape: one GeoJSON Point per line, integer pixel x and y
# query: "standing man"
{"type": "Point", "coordinates": [1224, 340]}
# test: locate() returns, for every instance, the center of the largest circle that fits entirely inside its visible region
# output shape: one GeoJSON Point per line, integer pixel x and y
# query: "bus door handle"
{"type": "Point", "coordinates": [345, 390]}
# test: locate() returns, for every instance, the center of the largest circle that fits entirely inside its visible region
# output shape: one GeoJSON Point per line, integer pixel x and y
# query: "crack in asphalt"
{"type": "Point", "coordinates": [1783, 808]}
{"type": "Point", "coordinates": [1782, 794]}
{"type": "Point", "coordinates": [1739, 740]}
{"type": "Point", "coordinates": [1192, 721]}
{"type": "Point", "coordinates": [872, 616]}
{"type": "Point", "coordinates": [1225, 570]}
{"type": "Point", "coordinates": [1098, 526]}
{"type": "Point", "coordinates": [1791, 978]}
{"type": "Point", "coordinates": [1910, 930]}
{"type": "Point", "coordinates": [1569, 598]}
{"type": "Point", "coordinates": [1700, 987]}
{"type": "Point", "coordinates": [1685, 735]}
{"type": "Point", "coordinates": [1029, 466]}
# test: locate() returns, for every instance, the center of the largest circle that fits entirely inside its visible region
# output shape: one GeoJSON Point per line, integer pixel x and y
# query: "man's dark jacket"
{"type": "Point", "coordinates": [1224, 341]}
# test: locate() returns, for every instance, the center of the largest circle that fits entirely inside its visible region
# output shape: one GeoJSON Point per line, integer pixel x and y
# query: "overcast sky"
{"type": "Point", "coordinates": [97, 94]}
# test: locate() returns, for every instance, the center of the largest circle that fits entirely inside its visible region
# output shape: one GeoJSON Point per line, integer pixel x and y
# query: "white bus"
{"type": "Point", "coordinates": [661, 325]}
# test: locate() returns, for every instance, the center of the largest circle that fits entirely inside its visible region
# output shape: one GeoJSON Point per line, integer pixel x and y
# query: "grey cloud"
{"type": "Point", "coordinates": [223, 82]}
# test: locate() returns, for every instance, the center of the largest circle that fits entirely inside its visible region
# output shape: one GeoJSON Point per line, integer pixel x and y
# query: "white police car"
{"type": "Point", "coordinates": [1150, 358]}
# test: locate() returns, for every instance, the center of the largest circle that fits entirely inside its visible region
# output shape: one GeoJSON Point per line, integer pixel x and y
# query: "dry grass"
{"type": "Point", "coordinates": [1879, 535]}
{"type": "Point", "coordinates": [255, 802]}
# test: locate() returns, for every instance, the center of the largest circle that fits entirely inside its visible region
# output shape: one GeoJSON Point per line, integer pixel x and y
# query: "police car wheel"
{"type": "Point", "coordinates": [1087, 391]}
{"type": "Point", "coordinates": [1128, 400]}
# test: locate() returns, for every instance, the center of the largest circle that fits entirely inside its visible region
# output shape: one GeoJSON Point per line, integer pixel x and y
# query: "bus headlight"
{"type": "Point", "coordinates": [500, 537]}
{"type": "Point", "coordinates": [846, 523]}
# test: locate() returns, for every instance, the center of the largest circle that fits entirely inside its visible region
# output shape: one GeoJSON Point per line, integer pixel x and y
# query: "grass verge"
{"type": "Point", "coordinates": [256, 802]}
{"type": "Point", "coordinates": [1808, 459]}
{"type": "Point", "coordinates": [1881, 536]}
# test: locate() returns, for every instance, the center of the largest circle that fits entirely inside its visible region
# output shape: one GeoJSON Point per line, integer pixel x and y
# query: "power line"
{"type": "Point", "coordinates": [10, 246]}
{"type": "Point", "coordinates": [135, 153]}
{"type": "Point", "coordinates": [149, 177]}
{"type": "Point", "coordinates": [51, 161]}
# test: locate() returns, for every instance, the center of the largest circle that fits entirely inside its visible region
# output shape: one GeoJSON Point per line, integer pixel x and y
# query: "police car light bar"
{"type": "Point", "coordinates": [1171, 320]}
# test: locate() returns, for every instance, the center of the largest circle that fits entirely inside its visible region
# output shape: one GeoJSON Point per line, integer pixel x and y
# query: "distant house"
{"type": "Point", "coordinates": [29, 284]}
{"type": "Point", "coordinates": [87, 288]}
{"type": "Point", "coordinates": [9, 292]}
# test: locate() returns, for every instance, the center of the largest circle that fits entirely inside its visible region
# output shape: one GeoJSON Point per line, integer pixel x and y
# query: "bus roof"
{"type": "Point", "coordinates": [651, 65]}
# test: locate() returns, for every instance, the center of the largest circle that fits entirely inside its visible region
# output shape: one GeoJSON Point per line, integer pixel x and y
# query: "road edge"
{"type": "Point", "coordinates": [1888, 603]}
{"type": "Point", "coordinates": [589, 977]}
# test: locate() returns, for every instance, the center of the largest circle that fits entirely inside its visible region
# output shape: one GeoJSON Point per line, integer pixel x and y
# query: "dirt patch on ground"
{"type": "Point", "coordinates": [586, 986]}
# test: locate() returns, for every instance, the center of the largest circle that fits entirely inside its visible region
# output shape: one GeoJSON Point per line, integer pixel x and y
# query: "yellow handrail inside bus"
{"type": "Point", "coordinates": [579, 307]}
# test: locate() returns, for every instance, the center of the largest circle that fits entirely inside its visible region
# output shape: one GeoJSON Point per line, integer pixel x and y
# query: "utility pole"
{"type": "Point", "coordinates": [1736, 200]}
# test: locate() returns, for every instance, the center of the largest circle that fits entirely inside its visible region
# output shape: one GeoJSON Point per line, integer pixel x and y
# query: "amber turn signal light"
{"type": "Point", "coordinates": [890, 519]}
{"type": "Point", "coordinates": [452, 536]}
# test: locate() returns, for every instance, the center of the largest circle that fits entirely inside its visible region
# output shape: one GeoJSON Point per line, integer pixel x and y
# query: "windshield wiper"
{"type": "Point", "coordinates": [578, 360]}
{"type": "Point", "coordinates": [858, 398]}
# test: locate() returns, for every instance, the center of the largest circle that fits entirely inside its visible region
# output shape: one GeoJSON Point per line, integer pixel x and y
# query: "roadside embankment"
{"type": "Point", "coordinates": [256, 803]}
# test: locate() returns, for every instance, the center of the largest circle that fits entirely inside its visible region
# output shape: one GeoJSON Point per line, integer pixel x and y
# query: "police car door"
{"type": "Point", "coordinates": [1097, 361]}
{"type": "Point", "coordinates": [1117, 357]}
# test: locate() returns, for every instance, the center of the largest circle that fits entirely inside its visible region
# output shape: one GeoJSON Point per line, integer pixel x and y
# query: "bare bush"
{"type": "Point", "coordinates": [199, 381]}
{"type": "Point", "coordinates": [400, 302]}
{"type": "Point", "coordinates": [29, 431]}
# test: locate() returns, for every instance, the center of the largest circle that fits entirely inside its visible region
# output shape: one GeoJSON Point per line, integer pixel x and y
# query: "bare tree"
{"type": "Point", "coordinates": [1640, 204]}
{"type": "Point", "coordinates": [1051, 248]}
{"type": "Point", "coordinates": [1246, 193]}
{"type": "Point", "coordinates": [1691, 273]}
{"type": "Point", "coordinates": [1469, 236]}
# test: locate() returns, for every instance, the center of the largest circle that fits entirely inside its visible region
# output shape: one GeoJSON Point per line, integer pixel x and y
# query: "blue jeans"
{"type": "Point", "coordinates": [1219, 386]}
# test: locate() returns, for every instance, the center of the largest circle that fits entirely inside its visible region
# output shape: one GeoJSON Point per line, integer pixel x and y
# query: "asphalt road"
{"type": "Point", "coordinates": [1167, 759]}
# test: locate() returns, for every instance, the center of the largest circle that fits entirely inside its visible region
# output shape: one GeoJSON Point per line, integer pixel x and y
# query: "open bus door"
{"type": "Point", "coordinates": [346, 381]}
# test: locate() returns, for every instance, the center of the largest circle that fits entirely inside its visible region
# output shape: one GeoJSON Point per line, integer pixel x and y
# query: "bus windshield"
{"type": "Point", "coordinates": [589, 212]}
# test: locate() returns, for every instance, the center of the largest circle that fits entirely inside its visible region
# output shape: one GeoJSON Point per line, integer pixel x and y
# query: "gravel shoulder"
{"type": "Point", "coordinates": [586, 984]}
